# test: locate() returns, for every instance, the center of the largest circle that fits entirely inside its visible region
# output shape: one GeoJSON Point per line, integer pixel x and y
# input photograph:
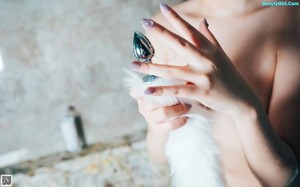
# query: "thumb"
{"type": "Point", "coordinates": [203, 28]}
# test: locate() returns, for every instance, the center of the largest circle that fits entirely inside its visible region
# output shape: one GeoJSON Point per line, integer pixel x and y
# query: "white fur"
{"type": "Point", "coordinates": [191, 151]}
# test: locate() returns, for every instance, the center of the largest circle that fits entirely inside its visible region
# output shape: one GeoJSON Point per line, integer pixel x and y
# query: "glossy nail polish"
{"type": "Point", "coordinates": [148, 23]}
{"type": "Point", "coordinates": [149, 91]}
{"type": "Point", "coordinates": [164, 7]}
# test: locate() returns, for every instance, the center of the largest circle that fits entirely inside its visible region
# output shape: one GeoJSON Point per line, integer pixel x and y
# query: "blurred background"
{"type": "Point", "coordinates": [55, 54]}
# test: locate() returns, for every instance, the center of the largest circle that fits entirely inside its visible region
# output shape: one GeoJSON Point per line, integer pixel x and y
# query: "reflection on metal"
{"type": "Point", "coordinates": [142, 48]}
{"type": "Point", "coordinates": [143, 52]}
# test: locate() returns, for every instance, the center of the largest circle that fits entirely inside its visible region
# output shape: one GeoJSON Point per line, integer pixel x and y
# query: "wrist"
{"type": "Point", "coordinates": [158, 130]}
{"type": "Point", "coordinates": [245, 112]}
{"type": "Point", "coordinates": [164, 128]}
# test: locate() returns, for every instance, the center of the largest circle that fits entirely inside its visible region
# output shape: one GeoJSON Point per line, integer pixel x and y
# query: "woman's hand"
{"type": "Point", "coordinates": [161, 119]}
{"type": "Point", "coordinates": [210, 76]}
{"type": "Point", "coordinates": [212, 80]}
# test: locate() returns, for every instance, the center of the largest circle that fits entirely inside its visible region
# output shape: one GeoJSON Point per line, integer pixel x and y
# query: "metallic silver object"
{"type": "Point", "coordinates": [143, 52]}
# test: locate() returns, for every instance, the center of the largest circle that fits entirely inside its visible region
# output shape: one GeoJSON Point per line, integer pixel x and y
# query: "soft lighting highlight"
{"type": "Point", "coordinates": [1, 63]}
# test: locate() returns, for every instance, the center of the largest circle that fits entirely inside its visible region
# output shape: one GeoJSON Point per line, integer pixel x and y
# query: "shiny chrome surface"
{"type": "Point", "coordinates": [142, 48]}
{"type": "Point", "coordinates": [143, 52]}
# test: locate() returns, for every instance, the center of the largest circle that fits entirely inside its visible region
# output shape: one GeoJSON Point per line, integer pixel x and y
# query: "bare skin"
{"type": "Point", "coordinates": [259, 144]}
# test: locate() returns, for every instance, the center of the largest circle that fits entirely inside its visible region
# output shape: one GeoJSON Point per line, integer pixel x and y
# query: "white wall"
{"type": "Point", "coordinates": [58, 53]}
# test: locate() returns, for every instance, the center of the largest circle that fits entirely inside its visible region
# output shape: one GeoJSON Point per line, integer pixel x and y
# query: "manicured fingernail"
{"type": "Point", "coordinates": [205, 22]}
{"type": "Point", "coordinates": [164, 7]}
{"type": "Point", "coordinates": [188, 106]}
{"type": "Point", "coordinates": [149, 91]}
{"type": "Point", "coordinates": [148, 23]}
{"type": "Point", "coordinates": [134, 65]}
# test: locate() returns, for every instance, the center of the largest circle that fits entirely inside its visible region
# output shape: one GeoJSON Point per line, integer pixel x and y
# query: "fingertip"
{"type": "Point", "coordinates": [203, 26]}
{"type": "Point", "coordinates": [147, 23]}
{"type": "Point", "coordinates": [149, 91]}
{"type": "Point", "coordinates": [164, 7]}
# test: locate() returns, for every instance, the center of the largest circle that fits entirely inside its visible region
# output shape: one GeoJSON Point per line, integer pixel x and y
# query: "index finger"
{"type": "Point", "coordinates": [179, 44]}
{"type": "Point", "coordinates": [193, 54]}
{"type": "Point", "coordinates": [183, 27]}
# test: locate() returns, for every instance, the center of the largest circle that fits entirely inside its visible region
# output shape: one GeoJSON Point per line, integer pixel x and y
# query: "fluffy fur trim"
{"type": "Point", "coordinates": [191, 151]}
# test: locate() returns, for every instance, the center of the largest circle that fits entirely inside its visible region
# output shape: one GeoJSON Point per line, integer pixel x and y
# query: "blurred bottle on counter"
{"type": "Point", "coordinates": [72, 131]}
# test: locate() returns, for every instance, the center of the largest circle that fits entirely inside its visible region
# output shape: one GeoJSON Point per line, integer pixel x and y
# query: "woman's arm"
{"type": "Point", "coordinates": [284, 112]}
{"type": "Point", "coordinates": [271, 159]}
{"type": "Point", "coordinates": [254, 126]}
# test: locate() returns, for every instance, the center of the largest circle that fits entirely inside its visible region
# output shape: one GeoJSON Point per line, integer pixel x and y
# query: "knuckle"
{"type": "Point", "coordinates": [161, 91]}
{"type": "Point", "coordinates": [175, 91]}
{"type": "Point", "coordinates": [205, 82]}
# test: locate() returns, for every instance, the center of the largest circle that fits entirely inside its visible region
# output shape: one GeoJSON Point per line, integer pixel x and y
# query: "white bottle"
{"type": "Point", "coordinates": [69, 132]}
